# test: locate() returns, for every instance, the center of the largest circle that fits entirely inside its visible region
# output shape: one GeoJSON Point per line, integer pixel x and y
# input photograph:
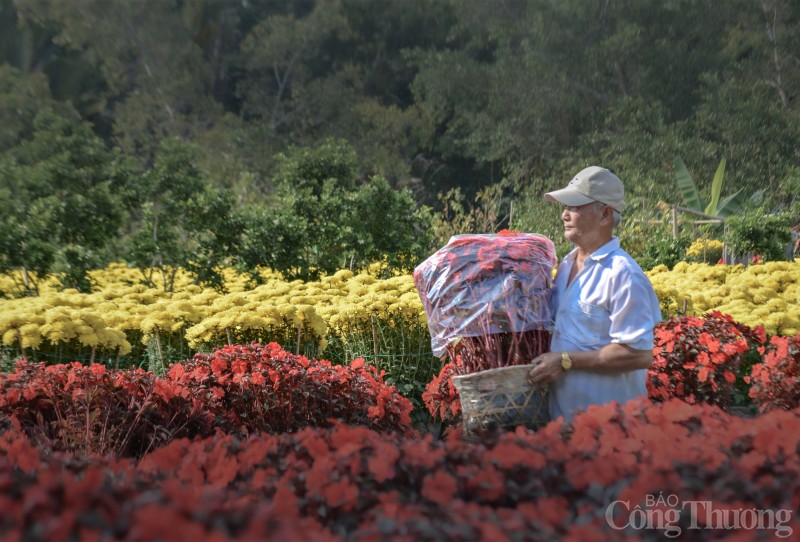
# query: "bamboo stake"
{"type": "Point", "coordinates": [374, 339]}
{"type": "Point", "coordinates": [674, 221]}
{"type": "Point", "coordinates": [158, 346]}
{"type": "Point", "coordinates": [299, 337]}
{"type": "Point", "coordinates": [230, 336]}
{"type": "Point", "coordinates": [91, 356]}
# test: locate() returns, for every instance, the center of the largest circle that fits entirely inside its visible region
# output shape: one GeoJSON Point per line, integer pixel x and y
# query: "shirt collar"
{"type": "Point", "coordinates": [606, 249]}
{"type": "Point", "coordinates": [598, 254]}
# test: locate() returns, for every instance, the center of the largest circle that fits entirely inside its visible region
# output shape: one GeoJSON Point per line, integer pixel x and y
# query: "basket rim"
{"type": "Point", "coordinates": [498, 371]}
{"type": "Point", "coordinates": [510, 379]}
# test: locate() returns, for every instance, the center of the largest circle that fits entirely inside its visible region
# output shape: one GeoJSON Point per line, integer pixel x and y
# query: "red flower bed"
{"type": "Point", "coordinates": [565, 482]}
{"type": "Point", "coordinates": [239, 389]}
{"type": "Point", "coordinates": [54, 497]}
{"type": "Point", "coordinates": [262, 388]}
{"type": "Point", "coordinates": [696, 359]}
{"type": "Point", "coordinates": [91, 410]}
{"type": "Point", "coordinates": [775, 382]}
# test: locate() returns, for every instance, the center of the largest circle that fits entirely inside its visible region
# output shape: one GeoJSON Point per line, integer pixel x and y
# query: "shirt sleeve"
{"type": "Point", "coordinates": [634, 309]}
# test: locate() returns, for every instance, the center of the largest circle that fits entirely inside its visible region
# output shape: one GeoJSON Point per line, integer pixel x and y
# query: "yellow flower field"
{"type": "Point", "coordinates": [766, 294]}
{"type": "Point", "coordinates": [340, 316]}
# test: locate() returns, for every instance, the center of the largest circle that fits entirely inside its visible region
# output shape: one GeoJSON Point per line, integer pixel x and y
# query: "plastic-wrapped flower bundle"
{"type": "Point", "coordinates": [487, 298]}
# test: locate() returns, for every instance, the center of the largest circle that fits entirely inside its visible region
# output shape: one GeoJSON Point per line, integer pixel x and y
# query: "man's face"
{"type": "Point", "coordinates": [582, 222]}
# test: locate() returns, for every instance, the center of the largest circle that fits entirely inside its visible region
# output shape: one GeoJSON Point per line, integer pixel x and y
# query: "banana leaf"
{"type": "Point", "coordinates": [732, 205]}
{"type": "Point", "coordinates": [687, 187]}
{"type": "Point", "coordinates": [716, 188]}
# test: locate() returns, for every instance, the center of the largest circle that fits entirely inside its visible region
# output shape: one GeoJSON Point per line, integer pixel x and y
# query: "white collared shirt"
{"type": "Point", "coordinates": [610, 300]}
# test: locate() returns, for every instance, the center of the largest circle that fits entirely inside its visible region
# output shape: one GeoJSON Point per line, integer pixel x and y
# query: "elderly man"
{"type": "Point", "coordinates": [604, 305]}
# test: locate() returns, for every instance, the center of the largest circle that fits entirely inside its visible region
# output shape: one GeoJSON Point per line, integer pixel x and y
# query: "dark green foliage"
{"type": "Point", "coordinates": [182, 220]}
{"type": "Point", "coordinates": [390, 227]}
{"type": "Point", "coordinates": [327, 221]}
{"type": "Point", "coordinates": [433, 95]}
{"type": "Point", "coordinates": [758, 232]}
{"type": "Point", "coordinates": [663, 249]}
{"type": "Point", "coordinates": [62, 206]}
{"type": "Point", "coordinates": [21, 98]}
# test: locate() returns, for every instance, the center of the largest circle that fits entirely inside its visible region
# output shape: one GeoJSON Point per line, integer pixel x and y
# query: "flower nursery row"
{"type": "Point", "coordinates": [340, 302]}
{"type": "Point", "coordinates": [255, 388]}
{"type": "Point", "coordinates": [641, 471]}
{"type": "Point", "coordinates": [253, 442]}
{"type": "Point", "coordinates": [759, 295]}
{"type": "Point", "coordinates": [239, 390]}
{"type": "Point", "coordinates": [342, 315]}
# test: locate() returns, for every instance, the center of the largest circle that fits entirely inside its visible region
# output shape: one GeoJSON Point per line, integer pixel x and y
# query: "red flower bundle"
{"type": "Point", "coordinates": [487, 298]}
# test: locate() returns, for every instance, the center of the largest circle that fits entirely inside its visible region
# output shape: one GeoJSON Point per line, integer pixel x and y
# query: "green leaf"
{"type": "Point", "coordinates": [716, 188]}
{"type": "Point", "coordinates": [732, 205]}
{"type": "Point", "coordinates": [687, 187]}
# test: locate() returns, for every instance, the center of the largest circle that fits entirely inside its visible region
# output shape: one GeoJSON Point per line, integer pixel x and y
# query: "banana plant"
{"type": "Point", "coordinates": [691, 196]}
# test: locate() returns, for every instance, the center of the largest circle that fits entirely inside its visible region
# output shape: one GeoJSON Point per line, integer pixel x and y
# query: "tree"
{"type": "Point", "coordinates": [157, 82]}
{"type": "Point", "coordinates": [21, 98]}
{"type": "Point", "coordinates": [64, 207]}
{"type": "Point", "coordinates": [326, 221]}
{"type": "Point", "coordinates": [758, 232]}
{"type": "Point", "coordinates": [182, 221]}
{"type": "Point", "coordinates": [762, 45]}
{"type": "Point", "coordinates": [389, 227]}
{"type": "Point", "coordinates": [315, 187]}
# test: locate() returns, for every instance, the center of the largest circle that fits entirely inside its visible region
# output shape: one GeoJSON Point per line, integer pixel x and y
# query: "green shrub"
{"type": "Point", "coordinates": [662, 249]}
{"type": "Point", "coordinates": [757, 232]}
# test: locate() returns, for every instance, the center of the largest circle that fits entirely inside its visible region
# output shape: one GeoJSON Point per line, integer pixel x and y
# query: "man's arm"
{"type": "Point", "coordinates": [611, 359]}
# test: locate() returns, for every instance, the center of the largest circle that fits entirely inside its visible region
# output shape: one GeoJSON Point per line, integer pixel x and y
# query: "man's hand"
{"type": "Point", "coordinates": [547, 368]}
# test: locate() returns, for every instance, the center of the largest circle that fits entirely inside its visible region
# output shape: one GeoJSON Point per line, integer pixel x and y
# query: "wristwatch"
{"type": "Point", "coordinates": [566, 362]}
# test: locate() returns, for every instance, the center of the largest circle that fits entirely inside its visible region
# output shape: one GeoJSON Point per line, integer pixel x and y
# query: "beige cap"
{"type": "Point", "coordinates": [591, 184]}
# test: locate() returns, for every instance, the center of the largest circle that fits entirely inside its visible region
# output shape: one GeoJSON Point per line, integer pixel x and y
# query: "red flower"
{"type": "Point", "coordinates": [341, 493]}
{"type": "Point", "coordinates": [695, 358]}
{"type": "Point", "coordinates": [678, 411]}
{"type": "Point", "coordinates": [439, 487]}
{"type": "Point", "coordinates": [382, 463]}
{"type": "Point", "coordinates": [240, 366]}
{"type": "Point", "coordinates": [218, 366]}
{"type": "Point", "coordinates": [217, 392]}
{"type": "Point", "coordinates": [776, 380]}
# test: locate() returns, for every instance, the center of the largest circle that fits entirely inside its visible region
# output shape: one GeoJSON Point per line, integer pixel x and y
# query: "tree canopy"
{"type": "Point", "coordinates": [109, 109]}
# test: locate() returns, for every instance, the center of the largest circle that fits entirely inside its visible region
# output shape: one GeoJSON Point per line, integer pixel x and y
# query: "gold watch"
{"type": "Point", "coordinates": [566, 362]}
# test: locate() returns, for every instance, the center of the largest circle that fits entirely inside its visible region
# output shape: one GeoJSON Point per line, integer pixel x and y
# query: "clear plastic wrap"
{"type": "Point", "coordinates": [484, 284]}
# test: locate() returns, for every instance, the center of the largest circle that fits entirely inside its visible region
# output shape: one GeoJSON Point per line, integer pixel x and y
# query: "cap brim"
{"type": "Point", "coordinates": [567, 196]}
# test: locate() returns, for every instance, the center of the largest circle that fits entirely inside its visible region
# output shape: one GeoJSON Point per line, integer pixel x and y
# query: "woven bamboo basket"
{"type": "Point", "coordinates": [501, 398]}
